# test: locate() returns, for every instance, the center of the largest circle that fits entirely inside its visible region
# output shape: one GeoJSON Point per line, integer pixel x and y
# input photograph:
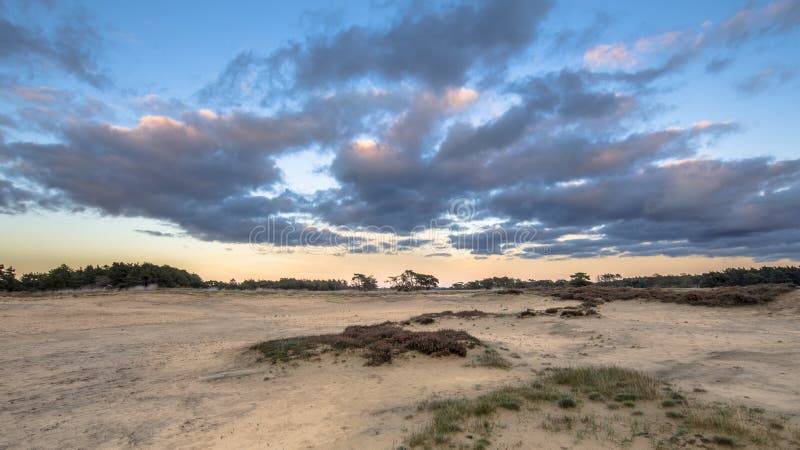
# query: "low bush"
{"type": "Point", "coordinates": [381, 342]}
{"type": "Point", "coordinates": [720, 296]}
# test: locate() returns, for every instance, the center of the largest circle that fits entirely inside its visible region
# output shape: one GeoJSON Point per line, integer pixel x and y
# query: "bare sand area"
{"type": "Point", "coordinates": [169, 368]}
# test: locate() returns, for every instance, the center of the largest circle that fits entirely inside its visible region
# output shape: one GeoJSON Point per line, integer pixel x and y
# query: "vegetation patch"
{"type": "Point", "coordinates": [560, 412]}
{"type": "Point", "coordinates": [722, 296]}
{"type": "Point", "coordinates": [510, 291]}
{"type": "Point", "coordinates": [491, 358]}
{"type": "Point", "coordinates": [429, 318]}
{"type": "Point", "coordinates": [607, 381]}
{"type": "Point", "coordinates": [380, 343]}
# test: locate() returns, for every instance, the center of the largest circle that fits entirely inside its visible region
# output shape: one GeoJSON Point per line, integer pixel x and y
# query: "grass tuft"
{"type": "Point", "coordinates": [491, 358]}
{"type": "Point", "coordinates": [611, 382]}
{"type": "Point", "coordinates": [567, 402]}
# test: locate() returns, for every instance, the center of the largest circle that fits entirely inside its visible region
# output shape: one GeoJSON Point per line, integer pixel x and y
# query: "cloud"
{"type": "Point", "coordinates": [155, 233]}
{"type": "Point", "coordinates": [419, 114]}
{"type": "Point", "coordinates": [651, 57]}
{"type": "Point", "coordinates": [765, 79]}
{"type": "Point", "coordinates": [436, 46]}
{"type": "Point", "coordinates": [776, 17]}
{"type": "Point", "coordinates": [718, 64]}
{"type": "Point", "coordinates": [609, 55]}
{"type": "Point", "coordinates": [72, 47]}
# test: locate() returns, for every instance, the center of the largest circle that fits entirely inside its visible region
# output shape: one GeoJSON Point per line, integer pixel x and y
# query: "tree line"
{"type": "Point", "coordinates": [118, 275]}
{"type": "Point", "coordinates": [727, 277]}
{"type": "Point", "coordinates": [121, 275]}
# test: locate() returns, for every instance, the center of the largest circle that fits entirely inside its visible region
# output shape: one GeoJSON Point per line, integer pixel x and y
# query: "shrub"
{"type": "Point", "coordinates": [567, 402]}
{"type": "Point", "coordinates": [380, 341]}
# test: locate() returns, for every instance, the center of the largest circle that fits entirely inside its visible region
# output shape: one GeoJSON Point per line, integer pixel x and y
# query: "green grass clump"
{"type": "Point", "coordinates": [607, 381]}
{"type": "Point", "coordinates": [669, 403]}
{"type": "Point", "coordinates": [491, 358]}
{"type": "Point", "coordinates": [629, 403]}
{"type": "Point", "coordinates": [614, 405]}
{"type": "Point", "coordinates": [282, 350]}
{"type": "Point", "coordinates": [482, 444]}
{"type": "Point", "coordinates": [624, 397]}
{"type": "Point", "coordinates": [448, 415]}
{"type": "Point", "coordinates": [726, 441]}
{"type": "Point", "coordinates": [567, 402]}
{"type": "Point", "coordinates": [674, 415]}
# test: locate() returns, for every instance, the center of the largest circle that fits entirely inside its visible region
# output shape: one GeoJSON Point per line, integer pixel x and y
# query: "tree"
{"type": "Point", "coordinates": [609, 278]}
{"type": "Point", "coordinates": [8, 278]}
{"type": "Point", "coordinates": [412, 281]}
{"type": "Point", "coordinates": [580, 279]}
{"type": "Point", "coordinates": [364, 282]}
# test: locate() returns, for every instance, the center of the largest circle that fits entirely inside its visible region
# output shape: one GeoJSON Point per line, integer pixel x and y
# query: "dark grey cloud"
{"type": "Point", "coordinates": [73, 46]}
{"type": "Point", "coordinates": [435, 45]}
{"type": "Point", "coordinates": [12, 199]}
{"type": "Point", "coordinates": [565, 128]}
{"type": "Point", "coordinates": [199, 173]}
{"type": "Point", "coordinates": [155, 233]}
{"type": "Point", "coordinates": [438, 255]}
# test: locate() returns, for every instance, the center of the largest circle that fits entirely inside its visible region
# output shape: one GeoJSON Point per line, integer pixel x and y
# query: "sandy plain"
{"type": "Point", "coordinates": [169, 368]}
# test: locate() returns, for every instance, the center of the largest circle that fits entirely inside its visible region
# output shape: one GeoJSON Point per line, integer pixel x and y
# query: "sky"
{"type": "Point", "coordinates": [317, 139]}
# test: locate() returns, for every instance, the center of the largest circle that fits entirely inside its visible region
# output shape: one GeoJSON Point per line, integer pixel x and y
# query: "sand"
{"type": "Point", "coordinates": [169, 368]}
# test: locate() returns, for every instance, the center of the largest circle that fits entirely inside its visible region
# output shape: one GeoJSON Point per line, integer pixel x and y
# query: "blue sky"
{"type": "Point", "coordinates": [592, 122]}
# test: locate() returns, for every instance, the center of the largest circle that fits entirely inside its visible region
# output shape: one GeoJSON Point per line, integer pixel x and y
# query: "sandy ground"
{"type": "Point", "coordinates": [168, 368]}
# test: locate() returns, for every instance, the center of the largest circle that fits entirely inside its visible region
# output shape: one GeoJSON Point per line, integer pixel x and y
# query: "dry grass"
{"type": "Point", "coordinates": [380, 342]}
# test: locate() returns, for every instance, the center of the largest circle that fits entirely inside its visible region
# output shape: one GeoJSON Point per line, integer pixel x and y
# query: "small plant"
{"type": "Point", "coordinates": [668, 403]}
{"type": "Point", "coordinates": [624, 397]}
{"type": "Point", "coordinates": [614, 405]}
{"type": "Point", "coordinates": [727, 441]}
{"type": "Point", "coordinates": [567, 402]}
{"type": "Point", "coordinates": [482, 444]}
{"type": "Point", "coordinates": [491, 358]}
{"type": "Point", "coordinates": [595, 396]}
{"type": "Point", "coordinates": [674, 415]}
{"type": "Point", "coordinates": [629, 403]}
{"type": "Point", "coordinates": [637, 413]}
{"type": "Point", "coordinates": [776, 425]}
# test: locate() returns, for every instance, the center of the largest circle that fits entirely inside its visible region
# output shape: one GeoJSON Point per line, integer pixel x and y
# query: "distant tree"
{"type": "Point", "coordinates": [580, 279]}
{"type": "Point", "coordinates": [426, 281]}
{"type": "Point", "coordinates": [412, 281]}
{"type": "Point", "coordinates": [364, 282]}
{"type": "Point", "coordinates": [8, 279]}
{"type": "Point", "coordinates": [609, 278]}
